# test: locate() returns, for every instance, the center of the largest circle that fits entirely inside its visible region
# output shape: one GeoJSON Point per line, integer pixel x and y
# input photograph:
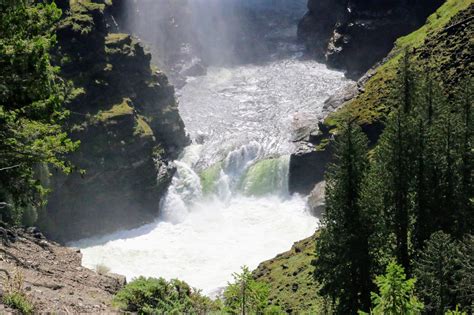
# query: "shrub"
{"type": "Point", "coordinates": [15, 296]}
{"type": "Point", "coordinates": [151, 296]}
{"type": "Point", "coordinates": [18, 301]}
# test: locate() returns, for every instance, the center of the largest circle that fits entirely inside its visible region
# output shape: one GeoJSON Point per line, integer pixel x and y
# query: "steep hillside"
{"type": "Point", "coordinates": [125, 115]}
{"type": "Point", "coordinates": [442, 47]}
{"type": "Point", "coordinates": [354, 35]}
{"type": "Point", "coordinates": [290, 276]}
{"type": "Point", "coordinates": [51, 276]}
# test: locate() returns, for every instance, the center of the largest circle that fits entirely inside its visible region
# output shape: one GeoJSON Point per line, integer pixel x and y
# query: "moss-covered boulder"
{"type": "Point", "coordinates": [125, 114]}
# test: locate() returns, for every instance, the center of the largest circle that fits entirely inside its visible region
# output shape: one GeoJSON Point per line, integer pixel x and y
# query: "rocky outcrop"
{"type": "Point", "coordinates": [441, 45]}
{"type": "Point", "coordinates": [125, 115]}
{"type": "Point", "coordinates": [355, 34]}
{"type": "Point", "coordinates": [316, 200]}
{"type": "Point", "coordinates": [51, 276]}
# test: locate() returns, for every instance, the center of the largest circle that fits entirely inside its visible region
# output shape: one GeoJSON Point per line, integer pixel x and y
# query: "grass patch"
{"type": "Point", "coordinates": [18, 301]}
{"type": "Point", "coordinates": [122, 109]}
{"type": "Point", "coordinates": [290, 276]}
{"type": "Point", "coordinates": [142, 128]}
{"type": "Point", "coordinates": [373, 105]}
{"type": "Point", "coordinates": [14, 295]}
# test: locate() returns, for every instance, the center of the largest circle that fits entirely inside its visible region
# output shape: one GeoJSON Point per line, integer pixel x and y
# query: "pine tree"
{"type": "Point", "coordinates": [464, 287]}
{"type": "Point", "coordinates": [435, 270]}
{"type": "Point", "coordinates": [396, 294]}
{"type": "Point", "coordinates": [342, 264]}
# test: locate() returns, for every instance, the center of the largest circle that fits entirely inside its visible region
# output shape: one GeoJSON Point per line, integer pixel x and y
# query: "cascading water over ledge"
{"type": "Point", "coordinates": [228, 204]}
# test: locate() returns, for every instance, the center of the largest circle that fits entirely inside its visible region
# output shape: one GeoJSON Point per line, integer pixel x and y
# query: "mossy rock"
{"type": "Point", "coordinates": [209, 178]}
{"type": "Point", "coordinates": [372, 106]}
{"type": "Point", "coordinates": [142, 128]}
{"type": "Point", "coordinates": [123, 109]}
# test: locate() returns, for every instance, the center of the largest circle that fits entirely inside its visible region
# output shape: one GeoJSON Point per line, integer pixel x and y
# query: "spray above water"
{"type": "Point", "coordinates": [228, 204]}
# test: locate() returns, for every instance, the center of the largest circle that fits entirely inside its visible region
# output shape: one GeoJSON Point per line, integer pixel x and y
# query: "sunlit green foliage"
{"type": "Point", "coordinates": [158, 296]}
{"type": "Point", "coordinates": [31, 104]}
{"type": "Point", "coordinates": [247, 296]}
{"type": "Point", "coordinates": [396, 294]}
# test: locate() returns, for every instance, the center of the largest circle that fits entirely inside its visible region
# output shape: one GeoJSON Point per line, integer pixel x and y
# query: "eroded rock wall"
{"type": "Point", "coordinates": [125, 115]}
{"type": "Point", "coordinates": [355, 34]}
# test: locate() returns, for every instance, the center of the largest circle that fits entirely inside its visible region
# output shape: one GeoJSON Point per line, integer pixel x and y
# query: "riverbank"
{"type": "Point", "coordinates": [51, 276]}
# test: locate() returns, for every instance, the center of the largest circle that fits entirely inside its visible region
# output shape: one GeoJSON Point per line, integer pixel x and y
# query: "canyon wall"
{"type": "Point", "coordinates": [124, 113]}
{"type": "Point", "coordinates": [355, 34]}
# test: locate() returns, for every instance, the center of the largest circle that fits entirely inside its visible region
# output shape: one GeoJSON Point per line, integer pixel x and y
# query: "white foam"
{"type": "Point", "coordinates": [211, 243]}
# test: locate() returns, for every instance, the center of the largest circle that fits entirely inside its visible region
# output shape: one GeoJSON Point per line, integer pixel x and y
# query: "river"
{"type": "Point", "coordinates": [228, 204]}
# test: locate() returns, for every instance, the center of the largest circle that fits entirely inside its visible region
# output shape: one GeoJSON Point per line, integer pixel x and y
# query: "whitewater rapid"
{"type": "Point", "coordinates": [228, 204]}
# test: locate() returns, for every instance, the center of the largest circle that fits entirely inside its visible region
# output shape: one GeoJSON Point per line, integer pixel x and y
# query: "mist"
{"type": "Point", "coordinates": [186, 36]}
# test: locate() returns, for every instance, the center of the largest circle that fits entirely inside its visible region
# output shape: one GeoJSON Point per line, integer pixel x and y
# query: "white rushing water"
{"type": "Point", "coordinates": [228, 204]}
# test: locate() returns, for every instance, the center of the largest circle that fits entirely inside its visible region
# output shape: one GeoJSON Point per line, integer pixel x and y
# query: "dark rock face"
{"type": "Point", "coordinates": [355, 34]}
{"type": "Point", "coordinates": [125, 115]}
{"type": "Point", "coordinates": [307, 167]}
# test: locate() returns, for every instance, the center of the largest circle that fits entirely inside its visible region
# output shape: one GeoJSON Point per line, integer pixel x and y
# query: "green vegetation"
{"type": "Point", "coordinates": [122, 109]}
{"type": "Point", "coordinates": [142, 128]}
{"type": "Point", "coordinates": [31, 106]}
{"type": "Point", "coordinates": [396, 294]}
{"type": "Point", "coordinates": [291, 281]}
{"type": "Point", "coordinates": [158, 296]}
{"type": "Point", "coordinates": [18, 302]}
{"type": "Point", "coordinates": [444, 270]}
{"type": "Point", "coordinates": [345, 274]}
{"type": "Point", "coordinates": [14, 295]}
{"type": "Point", "coordinates": [247, 296]}
{"type": "Point", "coordinates": [418, 181]}
{"type": "Point", "coordinates": [80, 19]}
{"type": "Point", "coordinates": [209, 178]}
{"type": "Point", "coordinates": [431, 47]}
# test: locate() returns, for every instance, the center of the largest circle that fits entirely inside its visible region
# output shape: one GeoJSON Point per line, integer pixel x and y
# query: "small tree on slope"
{"type": "Point", "coordinates": [396, 294]}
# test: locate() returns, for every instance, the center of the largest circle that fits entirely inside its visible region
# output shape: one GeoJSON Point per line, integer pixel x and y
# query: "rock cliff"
{"type": "Point", "coordinates": [442, 46]}
{"type": "Point", "coordinates": [355, 34]}
{"type": "Point", "coordinates": [125, 115]}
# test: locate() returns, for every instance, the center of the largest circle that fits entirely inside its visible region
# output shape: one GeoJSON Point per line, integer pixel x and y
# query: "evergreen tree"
{"type": "Point", "coordinates": [247, 296]}
{"type": "Point", "coordinates": [396, 294]}
{"type": "Point", "coordinates": [444, 270]}
{"type": "Point", "coordinates": [435, 270]}
{"type": "Point", "coordinates": [464, 287]}
{"type": "Point", "coordinates": [31, 99]}
{"type": "Point", "coordinates": [396, 155]}
{"type": "Point", "coordinates": [342, 264]}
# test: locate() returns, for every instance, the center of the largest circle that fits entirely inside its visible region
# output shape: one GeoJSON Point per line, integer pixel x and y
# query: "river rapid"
{"type": "Point", "coordinates": [228, 204]}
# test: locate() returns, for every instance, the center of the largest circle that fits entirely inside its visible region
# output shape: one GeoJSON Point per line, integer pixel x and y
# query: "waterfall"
{"type": "Point", "coordinates": [228, 203]}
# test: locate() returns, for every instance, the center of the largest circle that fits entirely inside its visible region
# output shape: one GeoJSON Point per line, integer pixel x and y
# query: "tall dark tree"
{"type": "Point", "coordinates": [342, 264]}
{"type": "Point", "coordinates": [435, 271]}
{"type": "Point", "coordinates": [395, 157]}
{"type": "Point", "coordinates": [444, 270]}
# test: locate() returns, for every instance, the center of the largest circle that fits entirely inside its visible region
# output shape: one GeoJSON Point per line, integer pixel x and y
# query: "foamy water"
{"type": "Point", "coordinates": [238, 211]}
{"type": "Point", "coordinates": [212, 242]}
